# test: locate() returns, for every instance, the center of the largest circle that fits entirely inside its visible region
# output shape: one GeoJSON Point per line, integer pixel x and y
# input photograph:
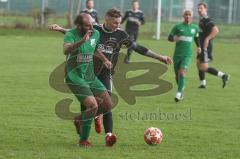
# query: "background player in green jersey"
{"type": "Point", "coordinates": [183, 34]}
{"type": "Point", "coordinates": [80, 44]}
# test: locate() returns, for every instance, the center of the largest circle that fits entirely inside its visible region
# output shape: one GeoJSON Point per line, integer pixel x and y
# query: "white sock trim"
{"type": "Point", "coordinates": [220, 74]}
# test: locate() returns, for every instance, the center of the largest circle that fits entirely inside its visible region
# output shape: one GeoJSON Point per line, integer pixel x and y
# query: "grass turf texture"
{"type": "Point", "coordinates": [29, 127]}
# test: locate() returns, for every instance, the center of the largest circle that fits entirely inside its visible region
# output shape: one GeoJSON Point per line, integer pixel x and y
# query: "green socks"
{"type": "Point", "coordinates": [181, 83]}
{"type": "Point", "coordinates": [86, 126]}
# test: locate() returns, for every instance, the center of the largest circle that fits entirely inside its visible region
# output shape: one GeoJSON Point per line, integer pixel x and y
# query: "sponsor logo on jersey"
{"type": "Point", "coordinates": [193, 31]}
{"type": "Point", "coordinates": [106, 49]}
{"type": "Point", "coordinates": [84, 57]}
{"type": "Point", "coordinates": [186, 38]}
{"type": "Point", "coordinates": [93, 42]}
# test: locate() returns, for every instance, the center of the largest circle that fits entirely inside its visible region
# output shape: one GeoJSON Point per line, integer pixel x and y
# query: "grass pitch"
{"type": "Point", "coordinates": [30, 129]}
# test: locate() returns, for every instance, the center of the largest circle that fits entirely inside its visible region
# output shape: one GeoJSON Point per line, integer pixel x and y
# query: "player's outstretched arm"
{"type": "Point", "coordinates": [149, 53]}
{"type": "Point", "coordinates": [56, 27]}
{"type": "Point", "coordinates": [165, 59]}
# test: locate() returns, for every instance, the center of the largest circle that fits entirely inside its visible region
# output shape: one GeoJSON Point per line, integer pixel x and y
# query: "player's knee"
{"type": "Point", "coordinates": [182, 72]}
{"type": "Point", "coordinates": [106, 102]}
{"type": "Point", "coordinates": [91, 103]}
{"type": "Point", "coordinates": [203, 68]}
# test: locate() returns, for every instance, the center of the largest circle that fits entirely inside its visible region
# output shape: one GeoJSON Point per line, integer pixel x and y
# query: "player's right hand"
{"type": "Point", "coordinates": [54, 27]}
{"type": "Point", "coordinates": [108, 64]}
{"type": "Point", "coordinates": [87, 35]}
{"type": "Point", "coordinates": [199, 50]}
{"type": "Point", "coordinates": [176, 38]}
{"type": "Point", "coordinates": [165, 59]}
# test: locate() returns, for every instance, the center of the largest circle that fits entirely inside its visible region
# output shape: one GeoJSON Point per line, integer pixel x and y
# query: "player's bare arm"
{"type": "Point", "coordinates": [165, 59]}
{"type": "Point", "coordinates": [56, 27]}
{"type": "Point", "coordinates": [106, 62]}
{"type": "Point", "coordinates": [212, 35]}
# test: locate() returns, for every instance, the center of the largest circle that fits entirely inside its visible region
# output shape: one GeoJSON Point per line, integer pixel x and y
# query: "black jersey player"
{"type": "Point", "coordinates": [134, 18]}
{"type": "Point", "coordinates": [208, 31]}
{"type": "Point", "coordinates": [91, 11]}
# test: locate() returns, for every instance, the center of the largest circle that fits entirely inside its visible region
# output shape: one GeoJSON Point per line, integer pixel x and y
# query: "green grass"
{"type": "Point", "coordinates": [29, 127]}
{"type": "Point", "coordinates": [228, 32]}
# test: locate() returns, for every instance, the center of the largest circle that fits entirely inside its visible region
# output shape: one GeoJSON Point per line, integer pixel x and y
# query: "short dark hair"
{"type": "Point", "coordinates": [88, 1]}
{"type": "Point", "coordinates": [203, 4]}
{"type": "Point", "coordinates": [133, 1]}
{"type": "Point", "coordinates": [114, 12]}
{"type": "Point", "coordinates": [79, 19]}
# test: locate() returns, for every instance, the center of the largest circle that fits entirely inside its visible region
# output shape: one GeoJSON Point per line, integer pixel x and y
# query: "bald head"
{"type": "Point", "coordinates": [83, 22]}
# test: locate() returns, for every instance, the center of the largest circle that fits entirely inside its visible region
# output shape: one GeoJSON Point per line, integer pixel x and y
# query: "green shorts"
{"type": "Point", "coordinates": [83, 88]}
{"type": "Point", "coordinates": [181, 62]}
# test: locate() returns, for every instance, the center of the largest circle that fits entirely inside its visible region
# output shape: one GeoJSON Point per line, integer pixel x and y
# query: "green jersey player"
{"type": "Point", "coordinates": [80, 44]}
{"type": "Point", "coordinates": [183, 34]}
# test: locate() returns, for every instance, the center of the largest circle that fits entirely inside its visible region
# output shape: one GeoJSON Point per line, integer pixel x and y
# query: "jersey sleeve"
{"type": "Point", "coordinates": [127, 42]}
{"type": "Point", "coordinates": [142, 19]}
{"type": "Point", "coordinates": [97, 20]}
{"type": "Point", "coordinates": [174, 31]}
{"type": "Point", "coordinates": [68, 38]}
{"type": "Point", "coordinates": [210, 24]}
{"type": "Point", "coordinates": [97, 39]}
{"type": "Point", "coordinates": [197, 32]}
{"type": "Point", "coordinates": [124, 17]}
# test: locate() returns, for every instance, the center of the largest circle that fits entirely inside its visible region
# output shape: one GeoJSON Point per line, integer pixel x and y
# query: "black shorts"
{"type": "Point", "coordinates": [206, 57]}
{"type": "Point", "coordinates": [133, 34]}
{"type": "Point", "coordinates": [106, 80]}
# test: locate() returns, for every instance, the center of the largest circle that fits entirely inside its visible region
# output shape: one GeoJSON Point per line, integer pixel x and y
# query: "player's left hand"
{"type": "Point", "coordinates": [108, 64]}
{"type": "Point", "coordinates": [165, 59]}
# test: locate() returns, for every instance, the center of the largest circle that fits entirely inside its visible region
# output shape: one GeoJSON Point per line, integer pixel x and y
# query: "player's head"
{"type": "Point", "coordinates": [113, 19]}
{"type": "Point", "coordinates": [188, 16]}
{"type": "Point", "coordinates": [202, 9]}
{"type": "Point", "coordinates": [83, 22]}
{"type": "Point", "coordinates": [89, 4]}
{"type": "Point", "coordinates": [135, 5]}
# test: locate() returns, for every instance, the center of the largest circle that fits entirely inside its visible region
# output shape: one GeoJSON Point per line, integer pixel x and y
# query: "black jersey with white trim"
{"type": "Point", "coordinates": [134, 19]}
{"type": "Point", "coordinates": [206, 25]}
{"type": "Point", "coordinates": [110, 44]}
{"type": "Point", "coordinates": [93, 13]}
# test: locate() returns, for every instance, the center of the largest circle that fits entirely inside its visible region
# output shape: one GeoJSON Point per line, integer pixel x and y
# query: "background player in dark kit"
{"type": "Point", "coordinates": [91, 11]}
{"type": "Point", "coordinates": [134, 18]}
{"type": "Point", "coordinates": [208, 31]}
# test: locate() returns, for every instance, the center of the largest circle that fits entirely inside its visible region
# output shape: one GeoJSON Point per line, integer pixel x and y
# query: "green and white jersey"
{"type": "Point", "coordinates": [187, 33]}
{"type": "Point", "coordinates": [80, 62]}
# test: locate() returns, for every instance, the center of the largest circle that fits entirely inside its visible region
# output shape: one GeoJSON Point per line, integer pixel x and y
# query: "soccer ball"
{"type": "Point", "coordinates": [153, 136]}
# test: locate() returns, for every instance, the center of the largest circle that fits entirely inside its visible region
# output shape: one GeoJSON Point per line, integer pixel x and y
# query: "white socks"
{"type": "Point", "coordinates": [203, 83]}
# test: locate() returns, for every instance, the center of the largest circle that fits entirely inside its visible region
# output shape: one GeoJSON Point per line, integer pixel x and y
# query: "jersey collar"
{"type": "Point", "coordinates": [205, 16]}
{"type": "Point", "coordinates": [135, 11]}
{"type": "Point", "coordinates": [89, 10]}
{"type": "Point", "coordinates": [105, 29]}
